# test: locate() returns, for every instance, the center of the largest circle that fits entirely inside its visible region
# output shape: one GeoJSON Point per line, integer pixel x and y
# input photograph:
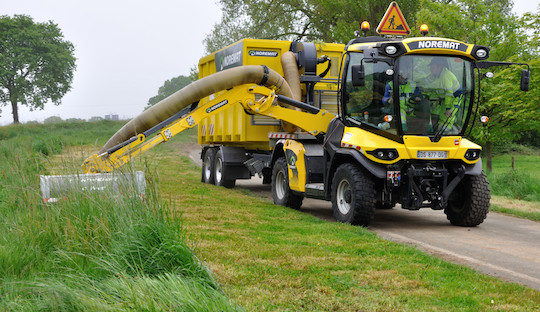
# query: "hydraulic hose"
{"type": "Point", "coordinates": [196, 91]}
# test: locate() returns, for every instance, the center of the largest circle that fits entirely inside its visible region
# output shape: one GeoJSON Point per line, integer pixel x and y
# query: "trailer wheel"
{"type": "Point", "coordinates": [468, 204]}
{"type": "Point", "coordinates": [281, 193]}
{"type": "Point", "coordinates": [207, 175]}
{"type": "Point", "coordinates": [219, 173]}
{"type": "Point", "coordinates": [353, 195]}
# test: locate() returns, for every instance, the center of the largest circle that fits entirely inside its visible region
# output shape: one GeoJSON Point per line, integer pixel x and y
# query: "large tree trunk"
{"type": "Point", "coordinates": [489, 157]}
{"type": "Point", "coordinates": [15, 111]}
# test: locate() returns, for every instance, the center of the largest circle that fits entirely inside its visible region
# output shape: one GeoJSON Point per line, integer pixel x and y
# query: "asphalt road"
{"type": "Point", "coordinates": [504, 247]}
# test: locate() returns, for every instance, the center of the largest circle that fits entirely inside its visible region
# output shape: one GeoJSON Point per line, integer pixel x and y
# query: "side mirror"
{"type": "Point", "coordinates": [358, 76]}
{"type": "Point", "coordinates": [525, 78]}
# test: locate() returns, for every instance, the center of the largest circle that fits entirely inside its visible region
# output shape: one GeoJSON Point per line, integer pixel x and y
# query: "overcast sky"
{"type": "Point", "coordinates": [126, 49]}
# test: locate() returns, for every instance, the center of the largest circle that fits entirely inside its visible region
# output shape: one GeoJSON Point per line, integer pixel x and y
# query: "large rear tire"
{"type": "Point", "coordinates": [353, 195]}
{"type": "Point", "coordinates": [281, 193]}
{"type": "Point", "coordinates": [207, 174]}
{"type": "Point", "coordinates": [220, 178]}
{"type": "Point", "coordinates": [468, 204]}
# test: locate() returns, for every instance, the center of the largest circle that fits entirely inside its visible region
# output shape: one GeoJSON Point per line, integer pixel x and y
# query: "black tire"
{"type": "Point", "coordinates": [281, 193]}
{"type": "Point", "coordinates": [353, 195]}
{"type": "Point", "coordinates": [468, 204]}
{"type": "Point", "coordinates": [219, 173]}
{"type": "Point", "coordinates": [207, 170]}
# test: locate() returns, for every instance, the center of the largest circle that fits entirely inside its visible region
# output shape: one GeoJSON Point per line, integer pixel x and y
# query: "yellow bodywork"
{"type": "Point", "coordinates": [365, 141]}
{"type": "Point", "coordinates": [294, 154]}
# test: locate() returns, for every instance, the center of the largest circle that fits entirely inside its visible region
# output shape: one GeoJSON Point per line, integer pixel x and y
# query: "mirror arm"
{"type": "Point", "coordinates": [488, 64]}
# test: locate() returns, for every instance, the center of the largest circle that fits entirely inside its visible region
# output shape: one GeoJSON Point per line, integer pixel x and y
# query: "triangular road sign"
{"type": "Point", "coordinates": [393, 22]}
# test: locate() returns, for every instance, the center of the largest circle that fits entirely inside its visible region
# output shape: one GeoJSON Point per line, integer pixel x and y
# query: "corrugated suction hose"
{"type": "Point", "coordinates": [196, 91]}
{"type": "Point", "coordinates": [292, 76]}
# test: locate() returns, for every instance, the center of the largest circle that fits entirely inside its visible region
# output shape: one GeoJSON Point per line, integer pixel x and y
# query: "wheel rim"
{"type": "Point", "coordinates": [207, 171]}
{"type": "Point", "coordinates": [280, 184]}
{"type": "Point", "coordinates": [219, 169]}
{"type": "Point", "coordinates": [343, 197]}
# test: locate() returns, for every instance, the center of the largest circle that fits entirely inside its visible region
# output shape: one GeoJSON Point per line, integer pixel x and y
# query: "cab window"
{"type": "Point", "coordinates": [367, 104]}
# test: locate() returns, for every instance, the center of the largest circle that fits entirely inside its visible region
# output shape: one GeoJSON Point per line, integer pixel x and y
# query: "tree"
{"type": "Point", "coordinates": [36, 63]}
{"type": "Point", "coordinates": [325, 20]}
{"type": "Point", "coordinates": [511, 38]}
{"type": "Point", "coordinates": [486, 22]}
{"type": "Point", "coordinates": [52, 119]}
{"type": "Point", "coordinates": [169, 87]}
{"type": "Point", "coordinates": [512, 112]}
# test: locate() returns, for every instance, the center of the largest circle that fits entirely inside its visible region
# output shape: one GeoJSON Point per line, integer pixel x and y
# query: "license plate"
{"type": "Point", "coordinates": [431, 154]}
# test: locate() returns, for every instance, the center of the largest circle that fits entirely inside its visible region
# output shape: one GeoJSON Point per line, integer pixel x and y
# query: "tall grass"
{"type": "Point", "coordinates": [515, 184]}
{"type": "Point", "coordinates": [523, 182]}
{"type": "Point", "coordinates": [90, 252]}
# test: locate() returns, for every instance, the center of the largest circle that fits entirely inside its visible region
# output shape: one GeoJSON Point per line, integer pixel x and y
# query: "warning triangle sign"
{"type": "Point", "coordinates": [393, 22]}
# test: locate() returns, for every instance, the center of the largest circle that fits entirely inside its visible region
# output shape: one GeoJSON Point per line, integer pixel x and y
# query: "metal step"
{"type": "Point", "coordinates": [315, 190]}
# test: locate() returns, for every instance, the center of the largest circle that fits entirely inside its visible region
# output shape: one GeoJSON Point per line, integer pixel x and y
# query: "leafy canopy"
{"type": "Point", "coordinates": [309, 20]}
{"type": "Point", "coordinates": [511, 38]}
{"type": "Point", "coordinates": [169, 87]}
{"type": "Point", "coordinates": [36, 63]}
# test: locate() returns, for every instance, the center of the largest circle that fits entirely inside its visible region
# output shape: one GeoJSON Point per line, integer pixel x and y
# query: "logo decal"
{"type": "Point", "coordinates": [263, 53]}
{"type": "Point", "coordinates": [230, 57]}
{"type": "Point", "coordinates": [437, 44]}
{"type": "Point", "coordinates": [216, 106]}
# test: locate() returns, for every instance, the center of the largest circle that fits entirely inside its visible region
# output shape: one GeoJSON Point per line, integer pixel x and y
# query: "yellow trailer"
{"type": "Point", "coordinates": [233, 126]}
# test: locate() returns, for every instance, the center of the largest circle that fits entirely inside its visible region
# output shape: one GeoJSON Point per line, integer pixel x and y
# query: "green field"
{"type": "Point", "coordinates": [196, 247]}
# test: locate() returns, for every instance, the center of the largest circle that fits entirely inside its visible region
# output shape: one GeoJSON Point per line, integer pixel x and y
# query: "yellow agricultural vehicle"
{"type": "Point", "coordinates": [333, 127]}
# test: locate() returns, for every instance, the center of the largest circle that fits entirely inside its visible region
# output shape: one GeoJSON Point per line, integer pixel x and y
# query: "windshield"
{"type": "Point", "coordinates": [433, 95]}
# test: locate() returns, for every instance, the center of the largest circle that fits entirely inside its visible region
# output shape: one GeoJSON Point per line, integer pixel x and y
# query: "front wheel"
{"type": "Point", "coordinates": [468, 204]}
{"type": "Point", "coordinates": [281, 193]}
{"type": "Point", "coordinates": [353, 195]}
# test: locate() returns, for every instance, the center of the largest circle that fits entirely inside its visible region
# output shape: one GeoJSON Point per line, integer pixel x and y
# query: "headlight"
{"type": "Point", "coordinates": [481, 53]}
{"type": "Point", "coordinates": [472, 154]}
{"type": "Point", "coordinates": [390, 50]}
{"type": "Point", "coordinates": [384, 153]}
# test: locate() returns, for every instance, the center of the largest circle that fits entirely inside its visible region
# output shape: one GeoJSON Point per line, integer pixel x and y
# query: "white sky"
{"type": "Point", "coordinates": [126, 49]}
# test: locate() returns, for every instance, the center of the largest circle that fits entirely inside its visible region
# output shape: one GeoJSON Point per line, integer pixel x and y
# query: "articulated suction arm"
{"type": "Point", "coordinates": [196, 91]}
{"type": "Point", "coordinates": [315, 121]}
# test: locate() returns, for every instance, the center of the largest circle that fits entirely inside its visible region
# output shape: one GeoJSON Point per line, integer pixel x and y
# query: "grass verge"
{"type": "Point", "coordinates": [270, 258]}
{"type": "Point", "coordinates": [90, 253]}
{"type": "Point", "coordinates": [515, 207]}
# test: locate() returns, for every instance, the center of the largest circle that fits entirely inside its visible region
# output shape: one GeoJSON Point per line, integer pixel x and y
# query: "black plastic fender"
{"type": "Point", "coordinates": [475, 169]}
{"type": "Point", "coordinates": [378, 171]}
